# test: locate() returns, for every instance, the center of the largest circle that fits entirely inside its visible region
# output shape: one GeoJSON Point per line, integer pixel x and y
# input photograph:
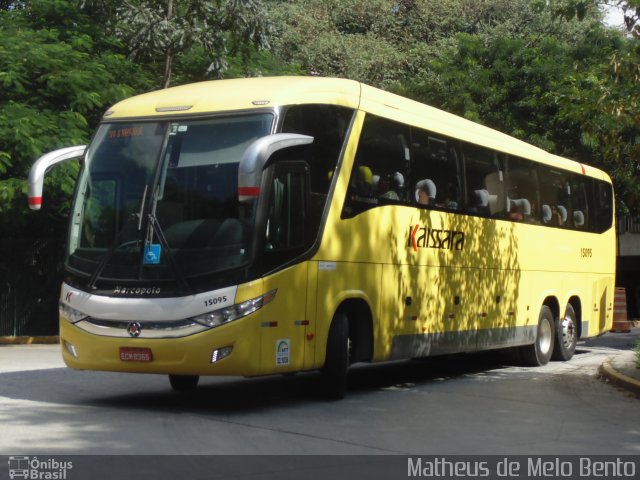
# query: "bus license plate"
{"type": "Point", "coordinates": [130, 354]}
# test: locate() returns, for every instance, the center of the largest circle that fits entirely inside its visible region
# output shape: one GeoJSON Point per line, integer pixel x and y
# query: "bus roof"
{"type": "Point", "coordinates": [268, 92]}
{"type": "Point", "coordinates": [239, 94]}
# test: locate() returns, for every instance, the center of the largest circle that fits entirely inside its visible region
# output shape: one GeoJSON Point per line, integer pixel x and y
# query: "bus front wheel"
{"type": "Point", "coordinates": [334, 371]}
{"type": "Point", "coordinates": [183, 383]}
{"type": "Point", "coordinates": [566, 335]}
{"type": "Point", "coordinates": [540, 352]}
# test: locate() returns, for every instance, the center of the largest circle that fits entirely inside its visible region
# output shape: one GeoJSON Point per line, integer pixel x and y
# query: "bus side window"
{"type": "Point", "coordinates": [581, 218]}
{"type": "Point", "coordinates": [521, 185]}
{"type": "Point", "coordinates": [484, 182]}
{"type": "Point", "coordinates": [435, 160]}
{"type": "Point", "coordinates": [555, 198]}
{"type": "Point", "coordinates": [381, 167]}
{"type": "Point", "coordinates": [328, 125]}
{"type": "Point", "coordinates": [604, 206]}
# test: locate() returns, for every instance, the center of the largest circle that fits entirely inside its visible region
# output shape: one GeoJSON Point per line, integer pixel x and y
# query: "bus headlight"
{"type": "Point", "coordinates": [234, 312]}
{"type": "Point", "coordinates": [70, 314]}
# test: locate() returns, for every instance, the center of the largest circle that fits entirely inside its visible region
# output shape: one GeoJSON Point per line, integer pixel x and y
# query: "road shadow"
{"type": "Point", "coordinates": [243, 395]}
{"type": "Point", "coordinates": [234, 394]}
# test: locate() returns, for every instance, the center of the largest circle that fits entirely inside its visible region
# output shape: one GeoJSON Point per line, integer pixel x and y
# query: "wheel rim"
{"type": "Point", "coordinates": [545, 336]}
{"type": "Point", "coordinates": [568, 333]}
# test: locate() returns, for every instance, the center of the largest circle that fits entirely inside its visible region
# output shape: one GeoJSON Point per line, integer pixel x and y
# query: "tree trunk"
{"type": "Point", "coordinates": [168, 58]}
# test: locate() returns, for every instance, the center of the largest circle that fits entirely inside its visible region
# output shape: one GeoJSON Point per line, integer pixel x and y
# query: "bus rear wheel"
{"type": "Point", "coordinates": [183, 383]}
{"type": "Point", "coordinates": [336, 364]}
{"type": "Point", "coordinates": [540, 352]}
{"type": "Point", "coordinates": [566, 335]}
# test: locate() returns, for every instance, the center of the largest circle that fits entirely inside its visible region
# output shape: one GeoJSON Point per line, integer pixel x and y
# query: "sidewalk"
{"type": "Point", "coordinates": [622, 371]}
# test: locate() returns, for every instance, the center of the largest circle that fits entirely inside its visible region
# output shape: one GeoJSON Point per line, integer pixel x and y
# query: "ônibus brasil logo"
{"type": "Point", "coordinates": [35, 469]}
{"type": "Point", "coordinates": [421, 236]}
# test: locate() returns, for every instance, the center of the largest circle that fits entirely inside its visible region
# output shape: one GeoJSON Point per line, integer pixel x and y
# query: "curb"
{"type": "Point", "coordinates": [51, 340]}
{"type": "Point", "coordinates": [619, 379]}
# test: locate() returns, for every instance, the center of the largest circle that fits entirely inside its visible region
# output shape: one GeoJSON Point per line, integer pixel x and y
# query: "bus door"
{"type": "Point", "coordinates": [602, 307]}
{"type": "Point", "coordinates": [284, 330]}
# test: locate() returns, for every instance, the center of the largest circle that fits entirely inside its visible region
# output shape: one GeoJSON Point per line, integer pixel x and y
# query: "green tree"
{"type": "Point", "coordinates": [58, 74]}
{"type": "Point", "coordinates": [56, 84]}
{"type": "Point", "coordinates": [157, 31]}
{"type": "Point", "coordinates": [387, 42]}
{"type": "Point", "coordinates": [614, 122]}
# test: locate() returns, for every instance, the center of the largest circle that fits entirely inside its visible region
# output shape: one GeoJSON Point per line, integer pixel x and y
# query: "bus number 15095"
{"type": "Point", "coordinates": [210, 302]}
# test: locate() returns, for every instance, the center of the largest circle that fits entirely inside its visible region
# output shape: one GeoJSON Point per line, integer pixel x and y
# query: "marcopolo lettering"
{"type": "Point", "coordinates": [118, 290]}
{"type": "Point", "coordinates": [426, 237]}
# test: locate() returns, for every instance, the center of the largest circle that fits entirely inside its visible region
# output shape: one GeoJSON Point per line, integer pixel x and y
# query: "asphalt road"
{"type": "Point", "coordinates": [469, 404]}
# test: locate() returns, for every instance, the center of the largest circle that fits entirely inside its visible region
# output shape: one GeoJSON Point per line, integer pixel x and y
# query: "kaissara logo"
{"type": "Point", "coordinates": [421, 236]}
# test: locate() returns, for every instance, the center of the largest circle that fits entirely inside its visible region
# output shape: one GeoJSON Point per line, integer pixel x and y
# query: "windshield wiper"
{"type": "Point", "coordinates": [118, 243]}
{"type": "Point", "coordinates": [155, 227]}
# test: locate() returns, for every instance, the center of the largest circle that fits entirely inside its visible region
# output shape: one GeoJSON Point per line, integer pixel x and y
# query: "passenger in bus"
{"type": "Point", "coordinates": [384, 188]}
{"type": "Point", "coordinates": [447, 199]}
{"type": "Point", "coordinates": [516, 213]}
{"type": "Point", "coordinates": [425, 193]}
{"type": "Point", "coordinates": [519, 209]}
{"type": "Point", "coordinates": [391, 186]}
{"type": "Point", "coordinates": [551, 216]}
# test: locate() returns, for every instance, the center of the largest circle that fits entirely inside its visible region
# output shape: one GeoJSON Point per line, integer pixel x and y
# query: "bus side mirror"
{"type": "Point", "coordinates": [42, 165]}
{"type": "Point", "coordinates": [255, 158]}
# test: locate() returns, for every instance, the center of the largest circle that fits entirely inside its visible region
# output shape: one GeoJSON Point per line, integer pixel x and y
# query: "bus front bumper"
{"type": "Point", "coordinates": [231, 349]}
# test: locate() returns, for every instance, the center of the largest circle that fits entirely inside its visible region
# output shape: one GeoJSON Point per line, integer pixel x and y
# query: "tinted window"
{"type": "Point", "coordinates": [555, 197]}
{"type": "Point", "coordinates": [428, 171]}
{"type": "Point", "coordinates": [328, 125]}
{"type": "Point", "coordinates": [580, 202]}
{"type": "Point", "coordinates": [485, 186]}
{"type": "Point", "coordinates": [435, 171]}
{"type": "Point", "coordinates": [604, 206]}
{"type": "Point", "coordinates": [521, 186]}
{"type": "Point", "coordinates": [381, 166]}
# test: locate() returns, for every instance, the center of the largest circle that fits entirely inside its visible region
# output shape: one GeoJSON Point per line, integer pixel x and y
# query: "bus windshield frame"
{"type": "Point", "coordinates": [157, 201]}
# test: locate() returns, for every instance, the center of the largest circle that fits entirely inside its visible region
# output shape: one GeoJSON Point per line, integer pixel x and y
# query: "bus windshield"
{"type": "Point", "coordinates": [158, 201]}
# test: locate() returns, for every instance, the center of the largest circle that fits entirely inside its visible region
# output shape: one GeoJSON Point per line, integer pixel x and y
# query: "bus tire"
{"type": "Point", "coordinates": [336, 364]}
{"type": "Point", "coordinates": [566, 335]}
{"type": "Point", "coordinates": [540, 352]}
{"type": "Point", "coordinates": [183, 383]}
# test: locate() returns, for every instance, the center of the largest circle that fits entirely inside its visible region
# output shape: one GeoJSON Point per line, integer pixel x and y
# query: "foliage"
{"type": "Point", "coordinates": [388, 42]}
{"type": "Point", "coordinates": [582, 9]}
{"type": "Point", "coordinates": [56, 81]}
{"type": "Point", "coordinates": [614, 123]}
{"type": "Point", "coordinates": [164, 29]}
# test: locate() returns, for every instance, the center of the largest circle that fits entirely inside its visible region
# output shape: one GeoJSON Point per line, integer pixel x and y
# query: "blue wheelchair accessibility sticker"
{"type": "Point", "coordinates": [151, 254]}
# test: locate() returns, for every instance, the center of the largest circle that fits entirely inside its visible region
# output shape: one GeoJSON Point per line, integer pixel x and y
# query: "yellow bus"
{"type": "Point", "coordinates": [275, 225]}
